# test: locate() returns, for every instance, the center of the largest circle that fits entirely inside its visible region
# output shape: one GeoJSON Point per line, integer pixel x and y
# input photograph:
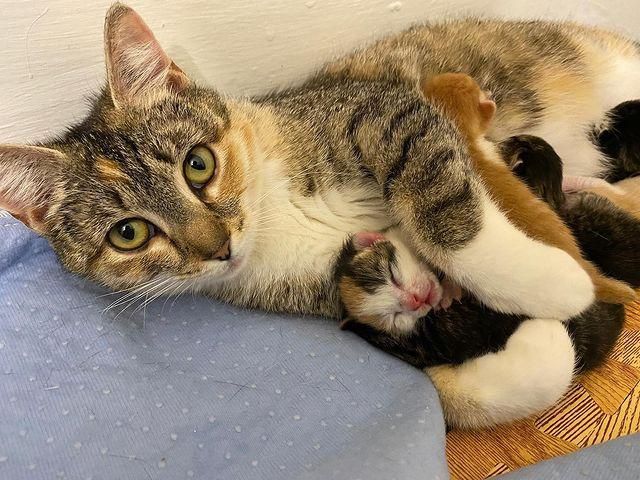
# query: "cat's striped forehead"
{"type": "Point", "coordinates": [133, 152]}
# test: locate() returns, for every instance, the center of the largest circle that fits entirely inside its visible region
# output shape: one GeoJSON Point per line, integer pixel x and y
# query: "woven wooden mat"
{"type": "Point", "coordinates": [604, 404]}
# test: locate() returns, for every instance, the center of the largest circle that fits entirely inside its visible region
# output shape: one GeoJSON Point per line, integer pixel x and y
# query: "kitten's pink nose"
{"type": "Point", "coordinates": [416, 301]}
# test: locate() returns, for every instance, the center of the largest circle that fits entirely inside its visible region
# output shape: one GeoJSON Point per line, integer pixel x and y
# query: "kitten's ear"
{"type": "Point", "coordinates": [362, 240]}
{"type": "Point", "coordinates": [26, 182]}
{"type": "Point", "coordinates": [487, 108]}
{"type": "Point", "coordinates": [136, 63]}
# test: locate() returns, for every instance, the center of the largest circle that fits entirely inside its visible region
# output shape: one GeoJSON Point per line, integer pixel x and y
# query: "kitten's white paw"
{"type": "Point", "coordinates": [450, 291]}
{"type": "Point", "coordinates": [403, 322]}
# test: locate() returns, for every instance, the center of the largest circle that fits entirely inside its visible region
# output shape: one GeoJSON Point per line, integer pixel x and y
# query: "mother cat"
{"type": "Point", "coordinates": [168, 184]}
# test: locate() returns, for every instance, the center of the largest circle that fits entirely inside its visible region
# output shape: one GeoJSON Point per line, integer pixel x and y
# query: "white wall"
{"type": "Point", "coordinates": [51, 51]}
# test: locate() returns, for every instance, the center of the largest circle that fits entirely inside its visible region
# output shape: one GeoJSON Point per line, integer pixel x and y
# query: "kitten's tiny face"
{"type": "Point", "coordinates": [157, 184]}
{"type": "Point", "coordinates": [386, 285]}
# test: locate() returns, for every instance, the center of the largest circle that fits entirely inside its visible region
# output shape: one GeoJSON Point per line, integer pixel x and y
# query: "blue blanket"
{"type": "Point", "coordinates": [190, 388]}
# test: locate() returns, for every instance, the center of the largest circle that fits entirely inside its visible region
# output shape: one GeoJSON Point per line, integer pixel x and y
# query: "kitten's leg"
{"type": "Point", "coordinates": [532, 372]}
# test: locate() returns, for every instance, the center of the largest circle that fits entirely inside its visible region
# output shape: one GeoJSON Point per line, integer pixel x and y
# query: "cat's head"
{"type": "Point", "coordinates": [158, 182]}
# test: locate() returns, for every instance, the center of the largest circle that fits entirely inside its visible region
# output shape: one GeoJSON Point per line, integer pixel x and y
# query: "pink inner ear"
{"type": "Point", "coordinates": [487, 108]}
{"type": "Point", "coordinates": [137, 62]}
{"type": "Point", "coordinates": [131, 32]}
{"type": "Point", "coordinates": [366, 239]}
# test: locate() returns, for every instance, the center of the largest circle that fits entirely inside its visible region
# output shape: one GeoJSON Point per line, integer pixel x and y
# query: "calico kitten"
{"type": "Point", "coordinates": [472, 111]}
{"type": "Point", "coordinates": [167, 185]}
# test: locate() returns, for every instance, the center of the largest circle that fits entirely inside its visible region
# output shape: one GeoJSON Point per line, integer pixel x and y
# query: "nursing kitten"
{"type": "Point", "coordinates": [488, 354]}
{"type": "Point", "coordinates": [167, 185]}
{"type": "Point", "coordinates": [472, 111]}
{"type": "Point", "coordinates": [602, 217]}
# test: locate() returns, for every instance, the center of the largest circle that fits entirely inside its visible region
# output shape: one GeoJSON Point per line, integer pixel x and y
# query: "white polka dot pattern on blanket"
{"type": "Point", "coordinates": [180, 390]}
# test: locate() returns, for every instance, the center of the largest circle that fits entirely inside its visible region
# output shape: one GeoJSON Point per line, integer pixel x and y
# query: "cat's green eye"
{"type": "Point", "coordinates": [199, 166]}
{"type": "Point", "coordinates": [130, 234]}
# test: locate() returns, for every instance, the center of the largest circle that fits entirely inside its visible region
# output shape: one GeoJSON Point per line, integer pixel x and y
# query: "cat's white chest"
{"type": "Point", "coordinates": [304, 233]}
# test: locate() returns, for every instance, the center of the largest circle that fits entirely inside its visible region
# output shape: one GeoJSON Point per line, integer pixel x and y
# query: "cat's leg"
{"type": "Point", "coordinates": [532, 372]}
{"type": "Point", "coordinates": [432, 191]}
{"type": "Point", "coordinates": [510, 272]}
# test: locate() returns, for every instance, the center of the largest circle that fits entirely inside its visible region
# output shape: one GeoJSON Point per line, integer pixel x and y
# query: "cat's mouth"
{"type": "Point", "coordinates": [217, 270]}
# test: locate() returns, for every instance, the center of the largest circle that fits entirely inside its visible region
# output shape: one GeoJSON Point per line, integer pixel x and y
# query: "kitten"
{"type": "Point", "coordinates": [476, 357]}
{"type": "Point", "coordinates": [167, 185]}
{"type": "Point", "coordinates": [602, 217]}
{"type": "Point", "coordinates": [472, 111]}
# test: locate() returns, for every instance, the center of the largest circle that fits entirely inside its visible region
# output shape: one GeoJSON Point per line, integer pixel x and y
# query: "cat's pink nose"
{"type": "Point", "coordinates": [224, 252]}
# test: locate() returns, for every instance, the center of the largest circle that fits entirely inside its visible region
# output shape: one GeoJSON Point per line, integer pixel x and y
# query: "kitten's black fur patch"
{"type": "Point", "coordinates": [469, 330]}
{"type": "Point", "coordinates": [368, 271]}
{"type": "Point", "coordinates": [620, 140]}
{"type": "Point", "coordinates": [537, 164]}
{"type": "Point", "coordinates": [607, 235]}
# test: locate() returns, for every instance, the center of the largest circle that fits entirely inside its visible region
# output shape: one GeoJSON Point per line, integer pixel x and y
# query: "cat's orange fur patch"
{"type": "Point", "coordinates": [109, 171]}
{"type": "Point", "coordinates": [554, 81]}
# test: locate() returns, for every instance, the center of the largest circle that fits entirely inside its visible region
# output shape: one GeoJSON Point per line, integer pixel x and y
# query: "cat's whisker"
{"type": "Point", "coordinates": [186, 287]}
{"type": "Point", "coordinates": [151, 296]}
{"type": "Point", "coordinates": [128, 289]}
{"type": "Point", "coordinates": [140, 295]}
{"type": "Point", "coordinates": [134, 291]}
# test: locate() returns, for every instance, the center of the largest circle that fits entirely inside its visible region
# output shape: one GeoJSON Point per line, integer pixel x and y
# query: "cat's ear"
{"type": "Point", "coordinates": [27, 180]}
{"type": "Point", "coordinates": [136, 63]}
